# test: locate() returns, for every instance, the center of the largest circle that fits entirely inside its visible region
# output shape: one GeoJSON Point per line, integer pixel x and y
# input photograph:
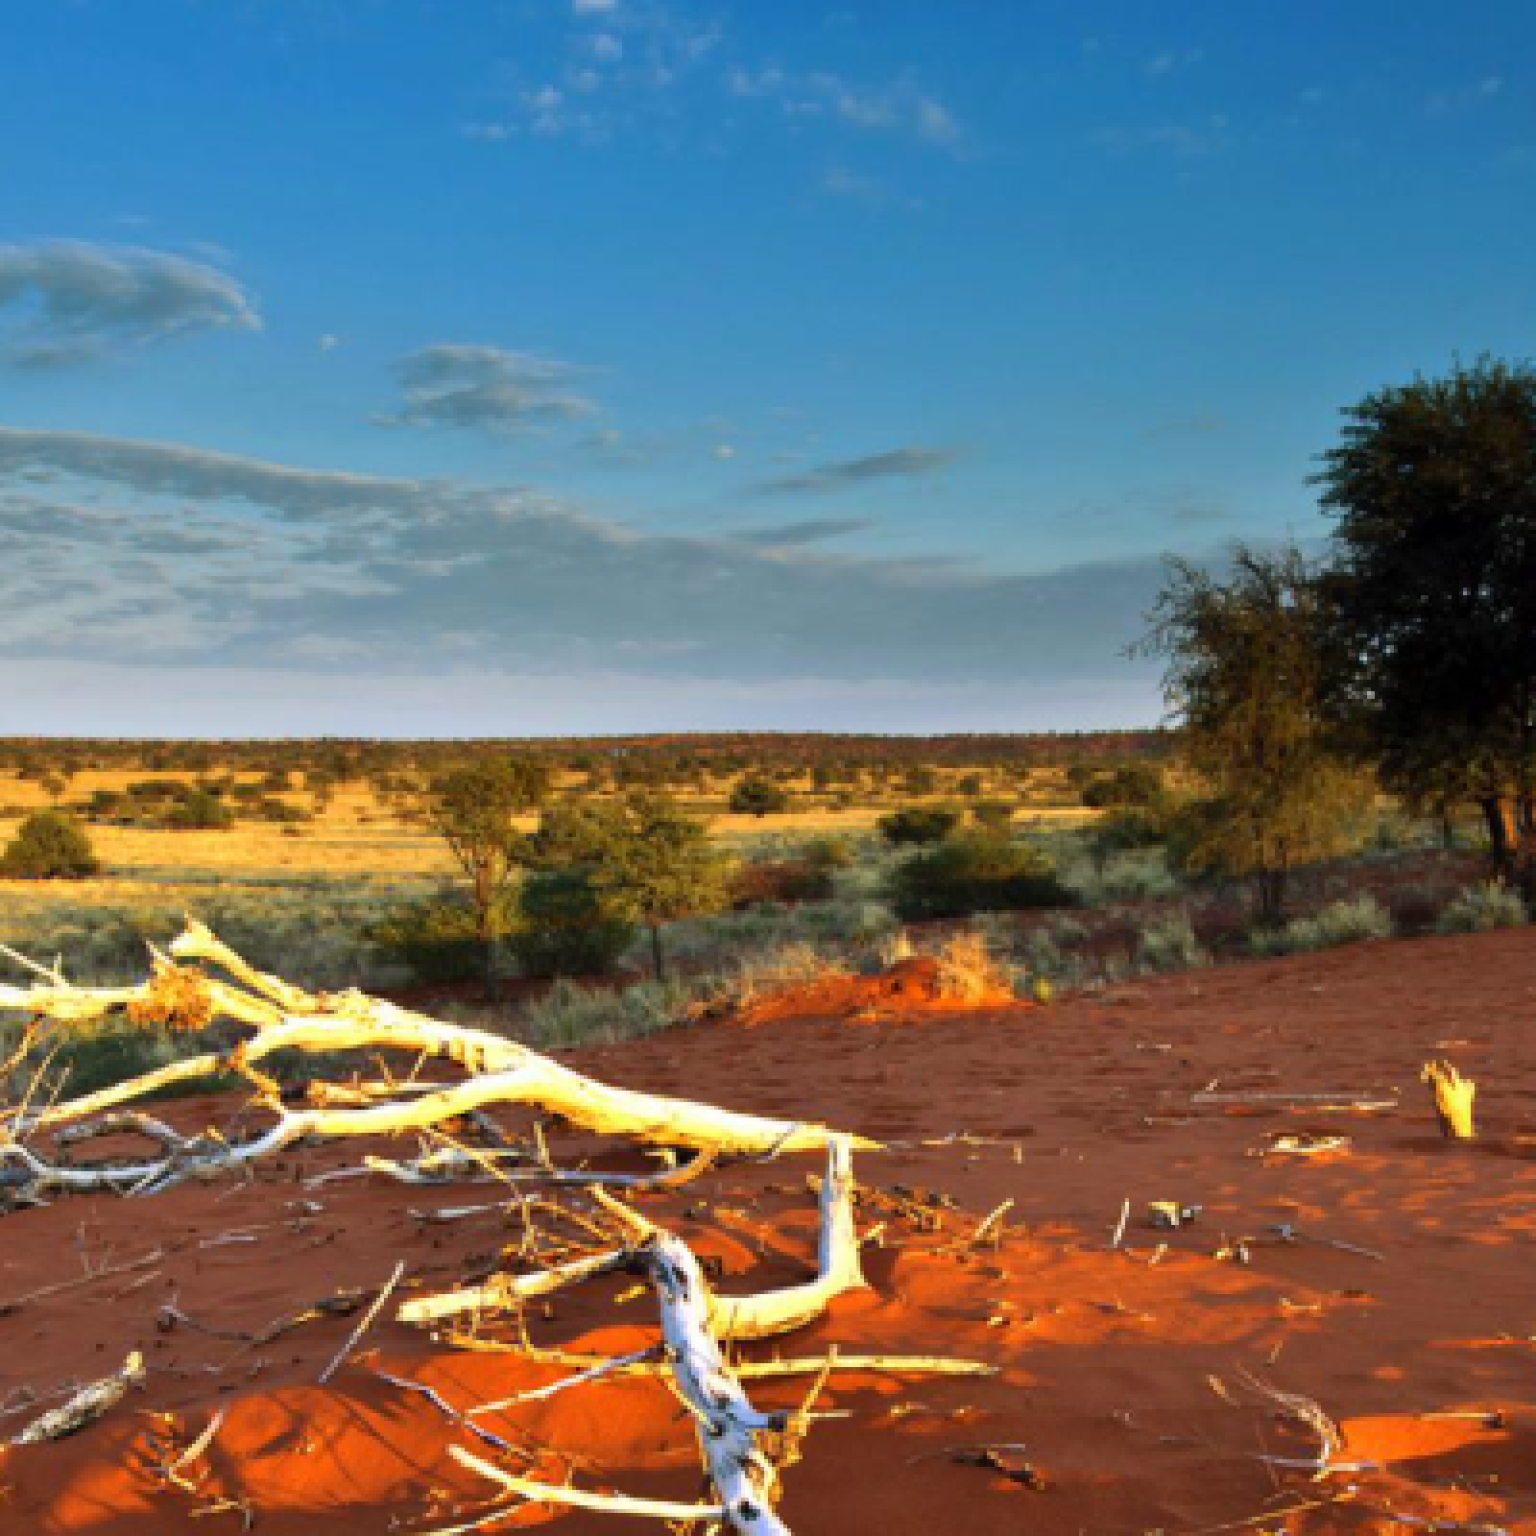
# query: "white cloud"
{"type": "Point", "coordinates": [485, 389]}
{"type": "Point", "coordinates": [228, 561]}
{"type": "Point", "coordinates": [78, 302]}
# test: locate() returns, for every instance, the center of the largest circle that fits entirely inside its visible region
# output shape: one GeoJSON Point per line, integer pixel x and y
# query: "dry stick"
{"type": "Point", "coordinates": [993, 1221]}
{"type": "Point", "coordinates": [576, 1498]}
{"type": "Point", "coordinates": [592, 1373]}
{"type": "Point", "coordinates": [364, 1323]}
{"type": "Point", "coordinates": [86, 1406]}
{"type": "Point", "coordinates": [193, 1451]}
{"type": "Point", "coordinates": [1119, 1233]}
{"type": "Point", "coordinates": [507, 1290]}
{"type": "Point", "coordinates": [808, 1365]}
{"type": "Point", "coordinates": [59, 1287]}
{"type": "Point", "coordinates": [447, 1409]}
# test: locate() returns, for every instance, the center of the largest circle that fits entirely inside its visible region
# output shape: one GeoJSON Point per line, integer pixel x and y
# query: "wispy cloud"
{"type": "Point", "coordinates": [485, 389]}
{"type": "Point", "coordinates": [159, 550]}
{"type": "Point", "coordinates": [895, 106]}
{"type": "Point", "coordinates": [75, 302]}
{"type": "Point", "coordinates": [1184, 141]}
{"type": "Point", "coordinates": [895, 464]}
{"type": "Point", "coordinates": [816, 530]}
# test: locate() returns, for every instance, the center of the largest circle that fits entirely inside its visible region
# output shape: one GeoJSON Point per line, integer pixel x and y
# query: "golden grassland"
{"type": "Point", "coordinates": [357, 839]}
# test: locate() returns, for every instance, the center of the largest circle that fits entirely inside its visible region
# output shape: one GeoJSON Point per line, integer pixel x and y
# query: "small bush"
{"type": "Point", "coordinates": [435, 938]}
{"type": "Point", "coordinates": [758, 797]}
{"type": "Point", "coordinates": [968, 971]}
{"type": "Point", "coordinates": [1482, 908]}
{"type": "Point", "coordinates": [87, 1059]}
{"type": "Point", "coordinates": [567, 926]}
{"type": "Point", "coordinates": [974, 872]}
{"type": "Point", "coordinates": [49, 846]}
{"type": "Point", "coordinates": [918, 824]}
{"type": "Point", "coordinates": [1170, 945]}
{"type": "Point", "coordinates": [576, 1015]}
{"type": "Point", "coordinates": [782, 880]}
{"type": "Point", "coordinates": [828, 853]}
{"type": "Point", "coordinates": [1340, 922]}
{"type": "Point", "coordinates": [201, 811]}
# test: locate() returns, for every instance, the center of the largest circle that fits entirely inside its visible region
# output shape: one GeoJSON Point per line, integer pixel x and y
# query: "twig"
{"type": "Point", "coordinates": [364, 1323]}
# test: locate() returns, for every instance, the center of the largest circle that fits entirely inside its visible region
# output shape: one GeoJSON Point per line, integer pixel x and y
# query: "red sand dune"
{"type": "Point", "coordinates": [1128, 1383]}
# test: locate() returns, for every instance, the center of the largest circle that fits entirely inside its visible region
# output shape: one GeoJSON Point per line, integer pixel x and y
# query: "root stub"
{"type": "Point", "coordinates": [1453, 1096]}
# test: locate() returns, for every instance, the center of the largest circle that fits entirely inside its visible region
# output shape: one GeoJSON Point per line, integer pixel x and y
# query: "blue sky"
{"type": "Point", "coordinates": [600, 365]}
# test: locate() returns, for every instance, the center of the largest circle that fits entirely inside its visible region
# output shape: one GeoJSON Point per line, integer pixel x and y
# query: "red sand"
{"type": "Point", "coordinates": [1126, 1382]}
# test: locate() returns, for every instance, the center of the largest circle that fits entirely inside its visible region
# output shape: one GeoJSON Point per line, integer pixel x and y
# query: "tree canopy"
{"type": "Point", "coordinates": [1246, 677]}
{"type": "Point", "coordinates": [473, 809]}
{"type": "Point", "coordinates": [1432, 591]}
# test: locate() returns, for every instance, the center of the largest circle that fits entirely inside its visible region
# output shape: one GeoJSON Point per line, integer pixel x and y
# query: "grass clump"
{"type": "Point", "coordinates": [968, 971]}
{"type": "Point", "coordinates": [1170, 945]}
{"type": "Point", "coordinates": [1482, 908]}
{"type": "Point", "coordinates": [1340, 922]}
{"type": "Point", "coordinates": [974, 872]}
{"type": "Point", "coordinates": [572, 1014]}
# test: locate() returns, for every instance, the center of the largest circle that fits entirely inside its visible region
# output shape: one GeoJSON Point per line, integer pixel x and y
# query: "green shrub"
{"type": "Point", "coordinates": [577, 1015]}
{"type": "Point", "coordinates": [1340, 922]}
{"type": "Point", "coordinates": [435, 937]}
{"type": "Point", "coordinates": [1481, 908]}
{"type": "Point", "coordinates": [201, 811]}
{"type": "Point", "coordinates": [828, 853]}
{"type": "Point", "coordinates": [757, 797]}
{"type": "Point", "coordinates": [781, 880]}
{"type": "Point", "coordinates": [974, 872]}
{"type": "Point", "coordinates": [566, 925]}
{"type": "Point", "coordinates": [918, 824]}
{"type": "Point", "coordinates": [87, 1059]}
{"type": "Point", "coordinates": [1170, 945]}
{"type": "Point", "coordinates": [49, 846]}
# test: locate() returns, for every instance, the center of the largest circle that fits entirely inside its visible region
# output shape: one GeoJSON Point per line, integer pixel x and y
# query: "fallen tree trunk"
{"type": "Point", "coordinates": [501, 1071]}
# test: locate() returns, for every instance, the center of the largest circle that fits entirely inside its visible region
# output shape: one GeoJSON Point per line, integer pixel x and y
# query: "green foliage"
{"type": "Point", "coordinates": [572, 1015]}
{"type": "Point", "coordinates": [1170, 945]}
{"type": "Point", "coordinates": [994, 815]}
{"type": "Point", "coordinates": [438, 938]}
{"type": "Point", "coordinates": [49, 846]}
{"type": "Point", "coordinates": [1482, 908]}
{"type": "Point", "coordinates": [758, 797]}
{"type": "Point", "coordinates": [781, 880]}
{"type": "Point", "coordinates": [471, 808]}
{"type": "Point", "coordinates": [1433, 591]}
{"type": "Point", "coordinates": [1133, 784]}
{"type": "Point", "coordinates": [656, 864]}
{"type": "Point", "coordinates": [1340, 922]}
{"type": "Point", "coordinates": [918, 824]}
{"type": "Point", "coordinates": [974, 872]}
{"type": "Point", "coordinates": [828, 853]}
{"type": "Point", "coordinates": [568, 925]}
{"type": "Point", "coordinates": [1246, 675]}
{"type": "Point", "coordinates": [201, 811]}
{"type": "Point", "coordinates": [82, 1059]}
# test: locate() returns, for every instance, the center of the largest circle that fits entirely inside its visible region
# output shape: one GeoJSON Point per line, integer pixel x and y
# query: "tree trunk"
{"type": "Point", "coordinates": [657, 960]}
{"type": "Point", "coordinates": [1504, 835]}
{"type": "Point", "coordinates": [1271, 894]}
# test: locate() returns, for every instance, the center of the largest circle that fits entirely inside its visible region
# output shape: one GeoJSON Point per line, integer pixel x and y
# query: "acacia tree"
{"type": "Point", "coordinates": [1245, 678]}
{"type": "Point", "coordinates": [473, 809]}
{"type": "Point", "coordinates": [1433, 592]}
{"type": "Point", "coordinates": [659, 865]}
